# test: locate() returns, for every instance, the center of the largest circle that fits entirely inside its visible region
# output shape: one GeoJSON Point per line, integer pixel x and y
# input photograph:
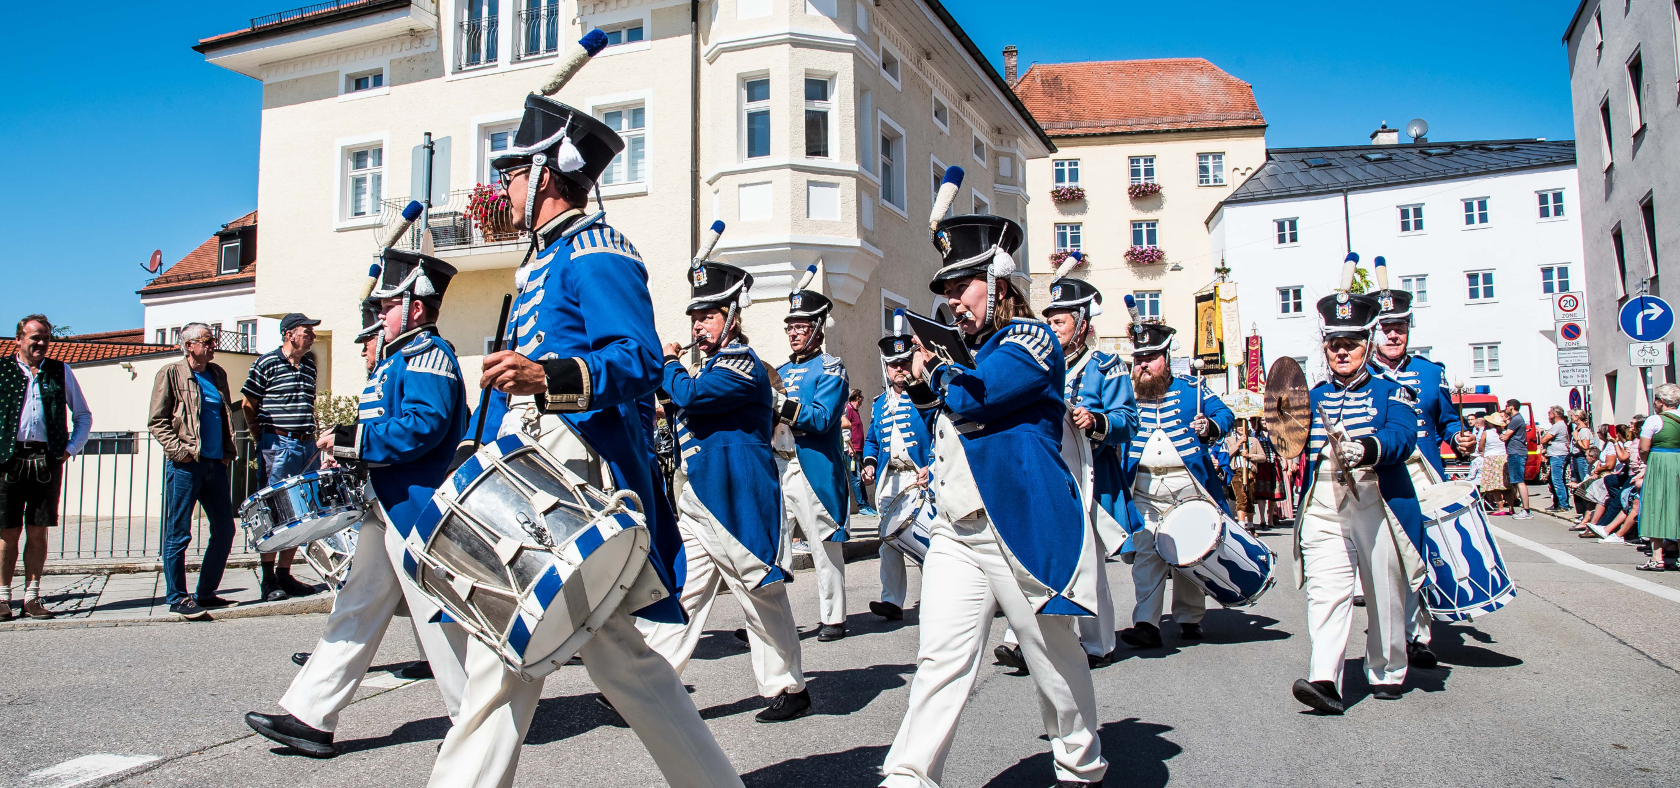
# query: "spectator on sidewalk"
{"type": "Point", "coordinates": [852, 421]}
{"type": "Point", "coordinates": [1491, 446]}
{"type": "Point", "coordinates": [1556, 441]}
{"type": "Point", "coordinates": [1611, 469]}
{"type": "Point", "coordinates": [1659, 441]}
{"type": "Point", "coordinates": [1516, 459]}
{"type": "Point", "coordinates": [280, 412]}
{"type": "Point", "coordinates": [38, 433]}
{"type": "Point", "coordinates": [189, 417]}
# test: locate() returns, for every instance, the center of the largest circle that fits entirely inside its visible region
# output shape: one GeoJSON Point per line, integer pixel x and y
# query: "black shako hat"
{"type": "Point", "coordinates": [968, 245]}
{"type": "Point", "coordinates": [370, 319]}
{"type": "Point", "coordinates": [573, 143]}
{"type": "Point", "coordinates": [421, 276]}
{"type": "Point", "coordinates": [1396, 304]}
{"type": "Point", "coordinates": [807, 302]}
{"type": "Point", "coordinates": [717, 285]}
{"type": "Point", "coordinates": [1344, 314]}
{"type": "Point", "coordinates": [896, 347]}
{"type": "Point", "coordinates": [1070, 293]}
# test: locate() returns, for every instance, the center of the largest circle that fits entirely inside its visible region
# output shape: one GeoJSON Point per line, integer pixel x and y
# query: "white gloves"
{"type": "Point", "coordinates": [1352, 453]}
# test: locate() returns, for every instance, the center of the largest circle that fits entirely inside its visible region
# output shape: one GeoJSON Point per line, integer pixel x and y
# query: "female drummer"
{"type": "Point", "coordinates": [1011, 534]}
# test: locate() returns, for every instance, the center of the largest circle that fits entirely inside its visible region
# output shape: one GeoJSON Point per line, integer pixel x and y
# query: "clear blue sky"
{"type": "Point", "coordinates": [117, 139]}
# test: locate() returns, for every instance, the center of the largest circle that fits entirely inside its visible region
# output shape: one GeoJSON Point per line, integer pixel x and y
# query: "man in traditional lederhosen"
{"type": "Point", "coordinates": [815, 486]}
{"type": "Point", "coordinates": [729, 507]}
{"type": "Point", "coordinates": [896, 452]}
{"type": "Point", "coordinates": [412, 414]}
{"type": "Point", "coordinates": [1167, 461]}
{"type": "Point", "coordinates": [1359, 514]}
{"type": "Point", "coordinates": [1426, 382]}
{"type": "Point", "coordinates": [585, 362]}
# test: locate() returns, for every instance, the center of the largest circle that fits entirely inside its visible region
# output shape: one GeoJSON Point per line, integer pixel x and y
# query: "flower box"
{"type": "Point", "coordinates": [1138, 191]}
{"type": "Point", "coordinates": [491, 212]}
{"type": "Point", "coordinates": [1145, 255]}
{"type": "Point", "coordinates": [1067, 193]}
{"type": "Point", "coordinates": [1058, 256]}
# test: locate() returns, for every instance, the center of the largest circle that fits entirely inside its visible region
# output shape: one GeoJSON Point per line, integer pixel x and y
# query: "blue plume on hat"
{"type": "Point", "coordinates": [1131, 307]}
{"type": "Point", "coordinates": [805, 281]}
{"type": "Point", "coordinates": [593, 42]}
{"type": "Point", "coordinates": [1349, 265]}
{"type": "Point", "coordinates": [1382, 272]}
{"type": "Point", "coordinates": [410, 212]}
{"type": "Point", "coordinates": [708, 242]}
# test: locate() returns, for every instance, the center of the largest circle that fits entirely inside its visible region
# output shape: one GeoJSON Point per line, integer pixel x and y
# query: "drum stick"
{"type": "Point", "coordinates": [484, 394]}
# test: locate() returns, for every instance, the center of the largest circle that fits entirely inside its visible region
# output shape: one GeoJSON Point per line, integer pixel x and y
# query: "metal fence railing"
{"type": "Point", "coordinates": [538, 34]}
{"type": "Point", "coordinates": [450, 225]}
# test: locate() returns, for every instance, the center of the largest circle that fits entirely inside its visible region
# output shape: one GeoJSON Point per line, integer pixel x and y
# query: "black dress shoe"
{"type": "Point", "coordinates": [1190, 631]}
{"type": "Point", "coordinates": [1321, 695]}
{"type": "Point", "coordinates": [787, 706]}
{"type": "Point", "coordinates": [213, 601]}
{"type": "Point", "coordinates": [1419, 656]}
{"type": "Point", "coordinates": [300, 658]}
{"type": "Point", "coordinates": [285, 729]}
{"type": "Point", "coordinates": [272, 592]}
{"type": "Point", "coordinates": [741, 635]}
{"type": "Point", "coordinates": [1359, 600]}
{"type": "Point", "coordinates": [414, 671]}
{"type": "Point", "coordinates": [1010, 657]}
{"type": "Point", "coordinates": [1094, 661]}
{"type": "Point", "coordinates": [292, 586]}
{"type": "Point", "coordinates": [1141, 635]}
{"type": "Point", "coordinates": [830, 632]}
{"type": "Point", "coordinates": [887, 610]}
{"type": "Point", "coordinates": [1385, 691]}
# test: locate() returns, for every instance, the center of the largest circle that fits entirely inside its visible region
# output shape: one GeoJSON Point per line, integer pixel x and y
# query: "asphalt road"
{"type": "Point", "coordinates": [1573, 684]}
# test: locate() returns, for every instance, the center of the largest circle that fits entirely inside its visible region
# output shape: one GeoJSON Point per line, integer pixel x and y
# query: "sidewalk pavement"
{"type": "Point", "coordinates": [137, 598]}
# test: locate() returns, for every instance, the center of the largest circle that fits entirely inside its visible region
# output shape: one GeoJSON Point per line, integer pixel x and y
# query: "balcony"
{"type": "Point", "coordinates": [467, 244]}
{"type": "Point", "coordinates": [538, 32]}
{"type": "Point", "coordinates": [319, 29]}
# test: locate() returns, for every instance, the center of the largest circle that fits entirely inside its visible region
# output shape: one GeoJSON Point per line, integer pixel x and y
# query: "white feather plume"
{"type": "Point", "coordinates": [1068, 264]}
{"type": "Point", "coordinates": [1382, 272]}
{"type": "Point", "coordinates": [1348, 267]}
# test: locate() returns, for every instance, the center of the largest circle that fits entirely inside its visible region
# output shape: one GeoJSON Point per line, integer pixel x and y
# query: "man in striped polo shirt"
{"type": "Point", "coordinates": [280, 411]}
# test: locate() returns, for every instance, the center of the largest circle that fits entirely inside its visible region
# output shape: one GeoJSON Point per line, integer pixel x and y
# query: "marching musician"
{"type": "Point", "coordinates": [1359, 513]}
{"type": "Point", "coordinates": [1168, 459]}
{"type": "Point", "coordinates": [1011, 534]}
{"type": "Point", "coordinates": [1426, 382]}
{"type": "Point", "coordinates": [895, 460]}
{"type": "Point", "coordinates": [585, 362]}
{"type": "Point", "coordinates": [816, 488]}
{"type": "Point", "coordinates": [413, 412]}
{"type": "Point", "coordinates": [729, 509]}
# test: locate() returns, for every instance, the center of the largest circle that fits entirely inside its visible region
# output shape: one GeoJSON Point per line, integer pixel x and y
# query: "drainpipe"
{"type": "Point", "coordinates": [694, 125]}
{"type": "Point", "coordinates": [1346, 228]}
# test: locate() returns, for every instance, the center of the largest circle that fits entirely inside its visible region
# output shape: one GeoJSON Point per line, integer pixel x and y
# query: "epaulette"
{"type": "Point", "coordinates": [600, 237]}
{"type": "Point", "coordinates": [435, 360]}
{"type": "Point", "coordinates": [1033, 336]}
{"type": "Point", "coordinates": [832, 365]}
{"type": "Point", "coordinates": [419, 344]}
{"type": "Point", "coordinates": [1107, 361]}
{"type": "Point", "coordinates": [733, 349]}
{"type": "Point", "coordinates": [741, 364]}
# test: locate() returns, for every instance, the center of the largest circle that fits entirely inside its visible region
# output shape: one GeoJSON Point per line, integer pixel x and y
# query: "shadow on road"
{"type": "Point", "coordinates": [1220, 627]}
{"type": "Point", "coordinates": [858, 766]}
{"type": "Point", "coordinates": [721, 643]}
{"type": "Point", "coordinates": [1137, 754]}
{"type": "Point", "coordinates": [833, 692]}
{"type": "Point", "coordinates": [432, 729]}
{"type": "Point", "coordinates": [1448, 643]}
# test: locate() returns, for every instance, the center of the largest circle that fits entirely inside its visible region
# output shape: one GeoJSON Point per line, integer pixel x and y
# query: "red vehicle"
{"type": "Point", "coordinates": [1473, 405]}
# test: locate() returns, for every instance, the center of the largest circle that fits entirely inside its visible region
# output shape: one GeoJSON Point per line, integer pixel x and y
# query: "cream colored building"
{"type": "Point", "coordinates": [1182, 124]}
{"type": "Point", "coordinates": [821, 129]}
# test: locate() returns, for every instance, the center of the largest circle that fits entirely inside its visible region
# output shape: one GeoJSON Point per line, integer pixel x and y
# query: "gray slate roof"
{"type": "Point", "coordinates": [1301, 172]}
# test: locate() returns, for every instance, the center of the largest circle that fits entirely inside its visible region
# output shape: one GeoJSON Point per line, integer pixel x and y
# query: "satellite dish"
{"type": "Point", "coordinates": [155, 263]}
{"type": "Point", "coordinates": [1417, 127]}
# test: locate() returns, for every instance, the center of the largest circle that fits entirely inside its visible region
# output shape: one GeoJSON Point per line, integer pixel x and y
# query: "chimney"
{"type": "Point", "coordinates": [1385, 135]}
{"type": "Point", "coordinates": [1009, 65]}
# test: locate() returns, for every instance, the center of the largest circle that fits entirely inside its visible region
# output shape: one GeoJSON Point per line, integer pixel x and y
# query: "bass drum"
{"type": "Point", "coordinates": [1215, 552]}
{"type": "Point", "coordinates": [1467, 576]}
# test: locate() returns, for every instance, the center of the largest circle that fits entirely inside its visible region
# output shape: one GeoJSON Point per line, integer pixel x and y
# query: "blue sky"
{"type": "Point", "coordinates": [117, 139]}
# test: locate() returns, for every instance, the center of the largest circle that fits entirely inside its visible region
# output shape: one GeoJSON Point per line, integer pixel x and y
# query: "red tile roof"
{"type": "Point", "coordinates": [78, 352]}
{"type": "Point", "coordinates": [198, 268]}
{"type": "Point", "coordinates": [1126, 96]}
{"type": "Point", "coordinates": [127, 336]}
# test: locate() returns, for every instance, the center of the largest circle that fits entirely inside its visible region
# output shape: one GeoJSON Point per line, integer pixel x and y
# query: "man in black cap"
{"type": "Point", "coordinates": [896, 455]}
{"type": "Point", "coordinates": [279, 409]}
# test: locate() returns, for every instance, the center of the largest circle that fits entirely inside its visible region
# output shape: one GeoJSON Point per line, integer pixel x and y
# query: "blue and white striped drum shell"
{"type": "Point", "coordinates": [525, 554]}
{"type": "Point", "coordinates": [330, 557]}
{"type": "Point", "coordinates": [1467, 576]}
{"type": "Point", "coordinates": [306, 507]}
{"type": "Point", "coordinates": [1215, 552]}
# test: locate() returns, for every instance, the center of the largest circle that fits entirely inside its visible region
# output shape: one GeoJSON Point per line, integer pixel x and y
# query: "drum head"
{"type": "Point", "coordinates": [1436, 497]}
{"type": "Point", "coordinates": [1189, 531]}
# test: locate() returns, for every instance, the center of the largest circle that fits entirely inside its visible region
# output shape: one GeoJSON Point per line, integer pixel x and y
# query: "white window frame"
{"type": "Point", "coordinates": [485, 132]}
{"type": "Point", "coordinates": [1637, 114]}
{"type": "Point", "coordinates": [868, 159]}
{"type": "Point", "coordinates": [347, 91]}
{"type": "Point", "coordinates": [1486, 280]}
{"type": "Point", "coordinates": [940, 102]}
{"type": "Point", "coordinates": [747, 108]}
{"type": "Point", "coordinates": [599, 108]}
{"type": "Point", "coordinates": [345, 147]}
{"type": "Point", "coordinates": [1416, 217]}
{"type": "Point", "coordinates": [1287, 231]}
{"type": "Point", "coordinates": [161, 337]}
{"type": "Point", "coordinates": [644, 44]}
{"type": "Point", "coordinates": [1422, 286]}
{"type": "Point", "coordinates": [1140, 169]}
{"type": "Point", "coordinates": [1148, 304]}
{"type": "Point", "coordinates": [985, 151]}
{"type": "Point", "coordinates": [979, 204]}
{"type": "Point", "coordinates": [1213, 179]}
{"type": "Point", "coordinates": [1068, 236]}
{"type": "Point", "coordinates": [1549, 271]}
{"type": "Point", "coordinates": [1549, 205]}
{"type": "Point", "coordinates": [1292, 295]}
{"type": "Point", "coordinates": [826, 107]}
{"type": "Point", "coordinates": [895, 182]}
{"type": "Point", "coordinates": [890, 52]}
{"type": "Point", "coordinates": [1491, 367]}
{"type": "Point", "coordinates": [1057, 167]}
{"type": "Point", "coordinates": [1006, 166]}
{"type": "Point", "coordinates": [1477, 208]}
{"type": "Point", "coordinates": [221, 256]}
{"type": "Point", "coordinates": [1153, 226]}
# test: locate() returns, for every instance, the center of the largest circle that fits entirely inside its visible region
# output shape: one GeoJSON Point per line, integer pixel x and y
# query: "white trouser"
{"type": "Point", "coordinates": [1096, 633]}
{"type": "Point", "coordinates": [771, 632]}
{"type": "Point", "coordinates": [1338, 538]}
{"type": "Point", "coordinates": [1418, 620]}
{"type": "Point", "coordinates": [328, 681]}
{"type": "Point", "coordinates": [965, 581]}
{"type": "Point", "coordinates": [806, 512]}
{"type": "Point", "coordinates": [482, 749]}
{"type": "Point", "coordinates": [1154, 494]}
{"type": "Point", "coordinates": [895, 497]}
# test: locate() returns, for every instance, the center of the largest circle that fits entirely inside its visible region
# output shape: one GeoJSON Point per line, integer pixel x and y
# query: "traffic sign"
{"type": "Point", "coordinates": [1574, 376]}
{"type": "Point", "coordinates": [1648, 354]}
{"type": "Point", "coordinates": [1569, 306]}
{"type": "Point", "coordinates": [1646, 318]}
{"type": "Point", "coordinates": [1571, 333]}
{"type": "Point", "coordinates": [1572, 357]}
{"type": "Point", "coordinates": [1574, 399]}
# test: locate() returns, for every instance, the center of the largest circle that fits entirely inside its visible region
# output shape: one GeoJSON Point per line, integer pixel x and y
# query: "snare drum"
{"type": "Point", "coordinates": [1467, 576]}
{"type": "Point", "coordinates": [525, 554]}
{"type": "Point", "coordinates": [302, 509]}
{"type": "Point", "coordinates": [1214, 552]}
{"type": "Point", "coordinates": [330, 557]}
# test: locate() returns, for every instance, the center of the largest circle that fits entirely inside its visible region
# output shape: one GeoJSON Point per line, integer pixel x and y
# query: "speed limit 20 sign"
{"type": "Point", "coordinates": [1570, 306]}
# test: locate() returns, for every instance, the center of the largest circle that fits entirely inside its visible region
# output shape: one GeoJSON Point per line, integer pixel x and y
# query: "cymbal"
{"type": "Point", "coordinates": [1288, 416]}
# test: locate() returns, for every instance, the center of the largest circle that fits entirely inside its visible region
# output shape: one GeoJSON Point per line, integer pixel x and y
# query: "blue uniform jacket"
{"type": "Point", "coordinates": [1376, 413]}
{"type": "Point", "coordinates": [412, 414]}
{"type": "Point", "coordinates": [820, 387]}
{"type": "Point", "coordinates": [723, 426]}
{"type": "Point", "coordinates": [586, 298]}
{"type": "Point", "coordinates": [1008, 412]}
{"type": "Point", "coordinates": [889, 415]}
{"type": "Point", "coordinates": [1103, 387]}
{"type": "Point", "coordinates": [1173, 413]}
{"type": "Point", "coordinates": [1437, 418]}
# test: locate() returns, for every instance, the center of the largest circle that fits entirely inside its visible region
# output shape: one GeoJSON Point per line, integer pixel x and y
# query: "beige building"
{"type": "Point", "coordinates": [1180, 132]}
{"type": "Point", "coordinates": [816, 129]}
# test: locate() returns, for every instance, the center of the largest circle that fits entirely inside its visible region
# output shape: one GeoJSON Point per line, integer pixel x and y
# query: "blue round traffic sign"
{"type": "Point", "coordinates": [1570, 331]}
{"type": "Point", "coordinates": [1646, 318]}
{"type": "Point", "coordinates": [1574, 399]}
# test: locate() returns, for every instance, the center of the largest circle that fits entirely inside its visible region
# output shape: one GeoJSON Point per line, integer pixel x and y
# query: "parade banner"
{"type": "Point", "coordinates": [1210, 336]}
{"type": "Point", "coordinates": [1254, 365]}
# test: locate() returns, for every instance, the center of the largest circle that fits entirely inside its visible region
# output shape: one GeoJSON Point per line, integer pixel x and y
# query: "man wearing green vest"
{"type": "Point", "coordinates": [37, 396]}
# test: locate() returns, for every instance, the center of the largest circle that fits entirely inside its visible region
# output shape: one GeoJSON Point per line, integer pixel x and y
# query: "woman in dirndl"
{"type": "Point", "coordinates": [1492, 450]}
{"type": "Point", "coordinates": [1659, 441]}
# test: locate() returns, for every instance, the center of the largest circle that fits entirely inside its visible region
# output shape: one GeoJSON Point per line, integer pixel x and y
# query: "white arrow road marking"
{"type": "Point", "coordinates": [1654, 589]}
{"type": "Point", "coordinates": [84, 769]}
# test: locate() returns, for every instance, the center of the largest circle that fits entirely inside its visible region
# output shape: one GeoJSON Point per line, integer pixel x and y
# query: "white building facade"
{"type": "Point", "coordinates": [1483, 234]}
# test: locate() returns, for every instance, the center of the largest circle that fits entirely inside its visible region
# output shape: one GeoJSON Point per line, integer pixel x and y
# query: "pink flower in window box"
{"type": "Point", "coordinates": [1145, 255]}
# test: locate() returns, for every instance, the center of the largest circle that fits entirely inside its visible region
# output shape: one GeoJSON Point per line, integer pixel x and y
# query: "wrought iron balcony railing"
{"type": "Point", "coordinates": [477, 45]}
{"type": "Point", "coordinates": [451, 226]}
{"type": "Point", "coordinates": [538, 34]}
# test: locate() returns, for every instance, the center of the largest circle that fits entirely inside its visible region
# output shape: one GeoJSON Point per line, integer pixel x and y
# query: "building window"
{"type": "Point", "coordinates": [1480, 285]}
{"type": "Point", "coordinates": [941, 114]}
{"type": "Point", "coordinates": [1006, 167]}
{"type": "Point", "coordinates": [1648, 213]}
{"type": "Point", "coordinates": [625, 35]}
{"type": "Point", "coordinates": [890, 304]}
{"type": "Point", "coordinates": [1143, 233]}
{"type": "Point", "coordinates": [161, 337]}
{"type": "Point", "coordinates": [865, 110]}
{"type": "Point", "coordinates": [1287, 231]}
{"type": "Point", "coordinates": [1605, 132]}
{"type": "Point", "coordinates": [496, 142]}
{"type": "Point", "coordinates": [367, 80]}
{"type": "Point", "coordinates": [630, 165]}
{"type": "Point", "coordinates": [863, 17]}
{"type": "Point", "coordinates": [1143, 169]}
{"type": "Point", "coordinates": [1066, 172]}
{"type": "Point", "coordinates": [479, 36]}
{"type": "Point", "coordinates": [892, 168]}
{"type": "Point", "coordinates": [889, 66]}
{"type": "Point", "coordinates": [1418, 286]}
{"type": "Point", "coordinates": [1636, 92]}
{"type": "Point", "coordinates": [1210, 169]}
{"type": "Point", "coordinates": [1476, 212]}
{"type": "Point", "coordinates": [248, 335]}
{"type": "Point", "coordinates": [1411, 218]}
{"type": "Point", "coordinates": [816, 117]}
{"type": "Point", "coordinates": [1484, 359]}
{"type": "Point", "coordinates": [980, 151]}
{"type": "Point", "coordinates": [1148, 304]}
{"type": "Point", "coordinates": [1420, 352]}
{"type": "Point", "coordinates": [366, 172]}
{"type": "Point", "coordinates": [981, 205]}
{"type": "Point", "coordinates": [755, 107]}
{"type": "Point", "coordinates": [1620, 249]}
{"type": "Point", "coordinates": [1551, 204]}
{"type": "Point", "coordinates": [1554, 279]}
{"type": "Point", "coordinates": [110, 443]}
{"type": "Point", "coordinates": [1289, 300]}
{"type": "Point", "coordinates": [538, 34]}
{"type": "Point", "coordinates": [1069, 237]}
{"type": "Point", "coordinates": [229, 262]}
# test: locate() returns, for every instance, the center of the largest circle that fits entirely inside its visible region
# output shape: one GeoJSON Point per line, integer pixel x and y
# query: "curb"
{"type": "Point", "coordinates": [320, 603]}
{"type": "Point", "coordinates": [127, 567]}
